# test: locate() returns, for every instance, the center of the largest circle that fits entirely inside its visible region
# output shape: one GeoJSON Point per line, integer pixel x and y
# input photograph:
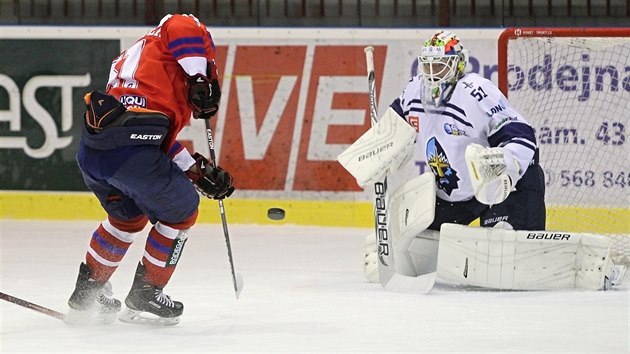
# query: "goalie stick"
{"type": "Point", "coordinates": [388, 278]}
{"type": "Point", "coordinates": [237, 280]}
{"type": "Point", "coordinates": [32, 306]}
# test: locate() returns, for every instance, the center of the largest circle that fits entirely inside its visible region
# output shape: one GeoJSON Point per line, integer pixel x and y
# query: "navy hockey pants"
{"type": "Point", "coordinates": [130, 181]}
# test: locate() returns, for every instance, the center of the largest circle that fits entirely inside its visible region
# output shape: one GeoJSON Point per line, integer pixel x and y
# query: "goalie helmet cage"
{"type": "Point", "coordinates": [573, 86]}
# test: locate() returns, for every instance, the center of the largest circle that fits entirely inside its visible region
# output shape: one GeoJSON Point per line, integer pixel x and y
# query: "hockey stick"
{"type": "Point", "coordinates": [32, 306]}
{"type": "Point", "coordinates": [237, 280]}
{"type": "Point", "coordinates": [385, 270]}
{"type": "Point", "coordinates": [389, 279]}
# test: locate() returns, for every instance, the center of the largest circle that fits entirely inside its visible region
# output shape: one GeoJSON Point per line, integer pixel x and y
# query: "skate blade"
{"type": "Point", "coordinates": [88, 318]}
{"type": "Point", "coordinates": [146, 318]}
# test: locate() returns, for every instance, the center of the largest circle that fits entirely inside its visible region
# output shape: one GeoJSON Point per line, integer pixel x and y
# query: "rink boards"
{"type": "Point", "coordinates": [84, 206]}
{"type": "Point", "coordinates": [293, 99]}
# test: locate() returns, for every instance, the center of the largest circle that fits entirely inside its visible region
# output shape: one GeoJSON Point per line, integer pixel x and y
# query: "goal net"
{"type": "Point", "coordinates": [573, 86]}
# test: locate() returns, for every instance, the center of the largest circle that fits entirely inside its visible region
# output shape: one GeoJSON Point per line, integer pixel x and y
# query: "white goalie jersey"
{"type": "Point", "coordinates": [477, 112]}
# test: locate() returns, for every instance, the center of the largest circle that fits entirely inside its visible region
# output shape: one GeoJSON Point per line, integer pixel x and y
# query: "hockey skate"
{"type": "Point", "coordinates": [147, 304]}
{"type": "Point", "coordinates": [92, 301]}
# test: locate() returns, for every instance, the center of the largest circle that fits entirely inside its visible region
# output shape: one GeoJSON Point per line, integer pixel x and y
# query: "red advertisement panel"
{"type": "Point", "coordinates": [261, 112]}
{"type": "Point", "coordinates": [337, 87]}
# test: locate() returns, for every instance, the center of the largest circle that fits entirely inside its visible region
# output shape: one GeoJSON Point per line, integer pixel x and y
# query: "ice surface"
{"type": "Point", "coordinates": [304, 293]}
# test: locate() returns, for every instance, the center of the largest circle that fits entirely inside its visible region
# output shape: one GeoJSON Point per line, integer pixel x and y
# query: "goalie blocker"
{"type": "Point", "coordinates": [381, 150]}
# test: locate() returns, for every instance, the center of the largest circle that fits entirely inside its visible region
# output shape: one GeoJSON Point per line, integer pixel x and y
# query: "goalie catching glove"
{"type": "Point", "coordinates": [493, 172]}
{"type": "Point", "coordinates": [212, 182]}
{"type": "Point", "coordinates": [204, 93]}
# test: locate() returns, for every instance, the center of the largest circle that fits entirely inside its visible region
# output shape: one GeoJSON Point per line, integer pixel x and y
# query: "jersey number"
{"type": "Point", "coordinates": [478, 93]}
{"type": "Point", "coordinates": [124, 67]}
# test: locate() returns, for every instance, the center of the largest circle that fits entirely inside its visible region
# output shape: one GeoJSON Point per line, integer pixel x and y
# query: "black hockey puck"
{"type": "Point", "coordinates": [275, 213]}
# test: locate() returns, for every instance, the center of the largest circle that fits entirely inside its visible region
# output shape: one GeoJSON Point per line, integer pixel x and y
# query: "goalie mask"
{"type": "Point", "coordinates": [442, 62]}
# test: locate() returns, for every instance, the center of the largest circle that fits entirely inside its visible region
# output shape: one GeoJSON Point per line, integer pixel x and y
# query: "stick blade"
{"type": "Point", "coordinates": [422, 284]}
{"type": "Point", "coordinates": [238, 285]}
{"type": "Point", "coordinates": [32, 306]}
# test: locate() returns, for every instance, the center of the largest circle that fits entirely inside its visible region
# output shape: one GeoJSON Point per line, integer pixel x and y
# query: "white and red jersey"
{"type": "Point", "coordinates": [477, 112]}
{"type": "Point", "coordinates": [151, 73]}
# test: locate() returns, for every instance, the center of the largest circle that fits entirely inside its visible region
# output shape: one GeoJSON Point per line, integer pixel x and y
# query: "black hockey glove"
{"type": "Point", "coordinates": [212, 182]}
{"type": "Point", "coordinates": [204, 94]}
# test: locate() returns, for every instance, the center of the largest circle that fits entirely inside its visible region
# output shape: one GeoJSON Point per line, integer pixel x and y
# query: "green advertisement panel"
{"type": "Point", "coordinates": [42, 84]}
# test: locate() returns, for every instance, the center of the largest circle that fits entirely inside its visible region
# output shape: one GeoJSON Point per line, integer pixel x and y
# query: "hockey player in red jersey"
{"type": "Point", "coordinates": [131, 160]}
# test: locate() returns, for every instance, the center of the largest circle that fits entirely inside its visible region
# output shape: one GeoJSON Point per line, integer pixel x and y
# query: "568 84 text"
{"type": "Point", "coordinates": [592, 179]}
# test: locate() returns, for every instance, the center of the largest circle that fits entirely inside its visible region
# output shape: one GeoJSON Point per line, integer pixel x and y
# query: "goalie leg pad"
{"type": "Point", "coordinates": [420, 258]}
{"type": "Point", "coordinates": [411, 210]}
{"type": "Point", "coordinates": [423, 251]}
{"type": "Point", "coordinates": [523, 260]}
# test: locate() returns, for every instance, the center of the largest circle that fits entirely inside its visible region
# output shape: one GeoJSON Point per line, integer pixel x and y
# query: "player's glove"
{"type": "Point", "coordinates": [212, 182]}
{"type": "Point", "coordinates": [204, 93]}
{"type": "Point", "coordinates": [493, 172]}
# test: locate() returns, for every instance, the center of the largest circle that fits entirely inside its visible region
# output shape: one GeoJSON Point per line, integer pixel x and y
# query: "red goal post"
{"type": "Point", "coordinates": [573, 86]}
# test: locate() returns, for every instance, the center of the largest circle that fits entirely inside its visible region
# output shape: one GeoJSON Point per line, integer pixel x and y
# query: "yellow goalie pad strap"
{"type": "Point", "coordinates": [381, 150]}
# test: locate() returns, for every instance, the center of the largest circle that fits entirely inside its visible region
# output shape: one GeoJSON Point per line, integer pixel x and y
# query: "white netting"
{"type": "Point", "coordinates": [576, 94]}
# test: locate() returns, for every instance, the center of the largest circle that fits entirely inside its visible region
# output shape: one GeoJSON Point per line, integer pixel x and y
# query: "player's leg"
{"type": "Point", "coordinates": [415, 250]}
{"type": "Point", "coordinates": [410, 210]}
{"type": "Point", "coordinates": [525, 260]}
{"type": "Point", "coordinates": [500, 258]}
{"type": "Point", "coordinates": [423, 251]}
{"type": "Point", "coordinates": [107, 247]}
{"type": "Point", "coordinates": [166, 195]}
{"type": "Point", "coordinates": [163, 250]}
{"type": "Point", "coordinates": [419, 258]}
